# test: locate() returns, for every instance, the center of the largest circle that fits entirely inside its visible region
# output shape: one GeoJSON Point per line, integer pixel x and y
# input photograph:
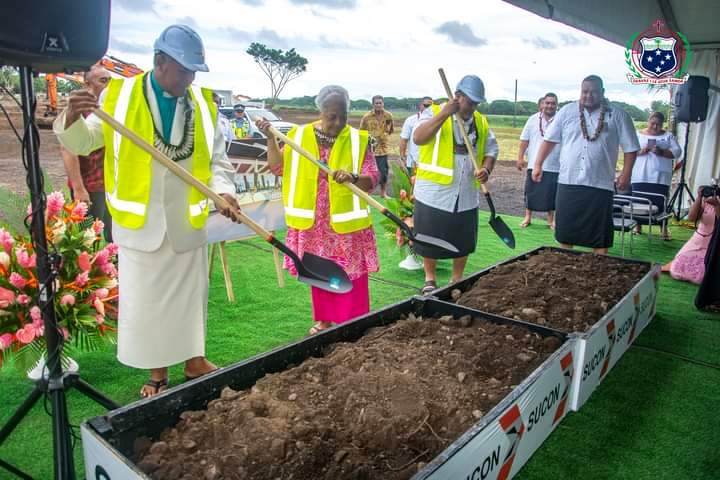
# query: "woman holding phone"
{"type": "Point", "coordinates": [652, 172]}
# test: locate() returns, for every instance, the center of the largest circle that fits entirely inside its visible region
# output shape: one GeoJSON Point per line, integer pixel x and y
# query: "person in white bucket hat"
{"type": "Point", "coordinates": [158, 221]}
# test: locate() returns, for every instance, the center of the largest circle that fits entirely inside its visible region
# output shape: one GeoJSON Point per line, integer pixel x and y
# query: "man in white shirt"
{"type": "Point", "coordinates": [539, 197]}
{"type": "Point", "coordinates": [409, 155]}
{"type": "Point", "coordinates": [408, 148]}
{"type": "Point", "coordinates": [157, 222]}
{"type": "Point", "coordinates": [590, 131]}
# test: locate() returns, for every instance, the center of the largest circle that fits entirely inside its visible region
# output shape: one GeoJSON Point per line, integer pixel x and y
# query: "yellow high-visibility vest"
{"type": "Point", "coordinates": [437, 158]}
{"type": "Point", "coordinates": [348, 213]}
{"type": "Point", "coordinates": [128, 168]}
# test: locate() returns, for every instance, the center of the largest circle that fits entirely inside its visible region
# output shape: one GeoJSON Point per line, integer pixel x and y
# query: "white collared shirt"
{"type": "Point", "coordinates": [591, 164]}
{"type": "Point", "coordinates": [653, 168]}
{"type": "Point", "coordinates": [532, 134]}
{"type": "Point", "coordinates": [462, 191]}
{"type": "Point", "coordinates": [406, 134]}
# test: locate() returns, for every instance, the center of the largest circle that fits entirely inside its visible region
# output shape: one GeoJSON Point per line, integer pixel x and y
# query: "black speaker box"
{"type": "Point", "coordinates": [53, 35]}
{"type": "Point", "coordinates": [691, 100]}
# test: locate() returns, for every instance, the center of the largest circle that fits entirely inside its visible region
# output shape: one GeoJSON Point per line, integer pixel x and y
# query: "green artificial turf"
{"type": "Point", "coordinates": [654, 416]}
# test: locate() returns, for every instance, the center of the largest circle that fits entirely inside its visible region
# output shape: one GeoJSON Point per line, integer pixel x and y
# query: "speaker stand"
{"type": "Point", "coordinates": [57, 382]}
{"type": "Point", "coordinates": [675, 203]}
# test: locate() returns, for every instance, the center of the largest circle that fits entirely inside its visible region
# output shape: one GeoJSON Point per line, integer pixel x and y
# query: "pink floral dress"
{"type": "Point", "coordinates": [689, 263]}
{"type": "Point", "coordinates": [355, 252]}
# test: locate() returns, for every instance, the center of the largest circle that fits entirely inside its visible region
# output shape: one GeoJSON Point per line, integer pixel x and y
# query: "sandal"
{"type": "Point", "coordinates": [159, 386]}
{"type": "Point", "coordinates": [429, 287]}
{"type": "Point", "coordinates": [525, 223]}
{"type": "Point", "coordinates": [317, 328]}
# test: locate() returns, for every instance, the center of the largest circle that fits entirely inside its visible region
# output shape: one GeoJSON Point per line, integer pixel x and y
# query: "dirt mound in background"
{"type": "Point", "coordinates": [374, 409]}
{"type": "Point", "coordinates": [565, 291]}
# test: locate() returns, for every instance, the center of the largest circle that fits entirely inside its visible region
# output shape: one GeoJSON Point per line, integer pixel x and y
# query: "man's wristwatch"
{"type": "Point", "coordinates": [355, 177]}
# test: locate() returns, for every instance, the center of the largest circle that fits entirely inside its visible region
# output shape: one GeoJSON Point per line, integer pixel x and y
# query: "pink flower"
{"type": "Point", "coordinates": [6, 240]}
{"type": "Point", "coordinates": [26, 334]}
{"type": "Point", "coordinates": [109, 270]}
{"type": "Point", "coordinates": [80, 210]}
{"type": "Point", "coordinates": [17, 281]}
{"type": "Point", "coordinates": [36, 314]}
{"type": "Point", "coordinates": [100, 319]}
{"type": "Point", "coordinates": [67, 299]}
{"type": "Point", "coordinates": [98, 227]}
{"type": "Point", "coordinates": [23, 299]}
{"type": "Point", "coordinates": [99, 306]}
{"type": "Point", "coordinates": [7, 297]}
{"type": "Point", "coordinates": [112, 249]}
{"type": "Point", "coordinates": [65, 333]}
{"type": "Point", "coordinates": [6, 340]}
{"type": "Point", "coordinates": [403, 194]}
{"type": "Point", "coordinates": [101, 293]}
{"type": "Point", "coordinates": [4, 260]}
{"type": "Point", "coordinates": [84, 262]}
{"type": "Point", "coordinates": [82, 279]}
{"type": "Point", "coordinates": [55, 203]}
{"type": "Point", "coordinates": [102, 257]}
{"type": "Point", "coordinates": [25, 260]}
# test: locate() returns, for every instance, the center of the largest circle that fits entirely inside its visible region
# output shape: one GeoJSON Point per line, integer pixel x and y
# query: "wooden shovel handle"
{"type": "Point", "coordinates": [461, 126]}
{"type": "Point", "coordinates": [181, 172]}
{"type": "Point", "coordinates": [354, 188]}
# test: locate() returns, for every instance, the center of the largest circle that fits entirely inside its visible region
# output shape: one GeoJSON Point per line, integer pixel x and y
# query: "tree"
{"type": "Point", "coordinates": [280, 67]}
{"type": "Point", "coordinates": [660, 106]}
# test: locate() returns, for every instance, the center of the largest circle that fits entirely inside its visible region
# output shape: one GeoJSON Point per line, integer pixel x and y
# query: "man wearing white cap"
{"type": "Point", "coordinates": [446, 186]}
{"type": "Point", "coordinates": [158, 221]}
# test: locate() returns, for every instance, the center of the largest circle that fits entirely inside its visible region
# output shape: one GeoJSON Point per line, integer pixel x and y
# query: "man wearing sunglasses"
{"type": "Point", "coordinates": [408, 148]}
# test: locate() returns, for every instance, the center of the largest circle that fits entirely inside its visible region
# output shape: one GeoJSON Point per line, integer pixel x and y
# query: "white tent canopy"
{"type": "Point", "coordinates": [618, 20]}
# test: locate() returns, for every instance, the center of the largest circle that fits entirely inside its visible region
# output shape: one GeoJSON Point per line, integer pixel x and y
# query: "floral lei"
{"type": "Point", "coordinates": [540, 119]}
{"type": "Point", "coordinates": [601, 123]}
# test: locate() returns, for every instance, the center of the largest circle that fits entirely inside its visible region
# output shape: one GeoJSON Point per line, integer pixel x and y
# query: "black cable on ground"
{"type": "Point", "coordinates": [396, 284]}
{"type": "Point", "coordinates": [678, 356]}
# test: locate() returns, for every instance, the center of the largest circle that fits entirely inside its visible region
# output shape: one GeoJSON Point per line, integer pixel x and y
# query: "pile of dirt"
{"type": "Point", "coordinates": [378, 408]}
{"type": "Point", "coordinates": [565, 291]}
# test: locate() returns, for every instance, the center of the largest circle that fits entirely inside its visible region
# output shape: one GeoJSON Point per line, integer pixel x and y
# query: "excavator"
{"type": "Point", "coordinates": [112, 64]}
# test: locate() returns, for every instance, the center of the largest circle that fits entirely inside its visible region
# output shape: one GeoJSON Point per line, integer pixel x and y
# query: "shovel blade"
{"type": "Point", "coordinates": [434, 242]}
{"type": "Point", "coordinates": [323, 273]}
{"type": "Point", "coordinates": [503, 231]}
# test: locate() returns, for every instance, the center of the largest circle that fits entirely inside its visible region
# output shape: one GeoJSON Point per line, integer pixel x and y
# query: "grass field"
{"type": "Point", "coordinates": [654, 417]}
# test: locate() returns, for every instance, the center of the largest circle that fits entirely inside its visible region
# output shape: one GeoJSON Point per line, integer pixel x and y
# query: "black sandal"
{"type": "Point", "coordinates": [429, 287]}
{"type": "Point", "coordinates": [159, 386]}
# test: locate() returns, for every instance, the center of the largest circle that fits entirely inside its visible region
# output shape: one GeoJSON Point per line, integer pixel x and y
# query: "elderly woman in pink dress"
{"type": "Point", "coordinates": [324, 217]}
{"type": "Point", "coordinates": [689, 262]}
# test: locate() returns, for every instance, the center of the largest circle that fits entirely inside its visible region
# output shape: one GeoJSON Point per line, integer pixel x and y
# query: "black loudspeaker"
{"type": "Point", "coordinates": [691, 100]}
{"type": "Point", "coordinates": [54, 35]}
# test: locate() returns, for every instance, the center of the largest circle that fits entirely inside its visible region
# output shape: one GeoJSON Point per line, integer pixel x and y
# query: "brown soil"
{"type": "Point", "coordinates": [560, 290]}
{"type": "Point", "coordinates": [374, 409]}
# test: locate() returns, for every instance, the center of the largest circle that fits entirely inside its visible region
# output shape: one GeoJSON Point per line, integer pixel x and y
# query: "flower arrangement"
{"type": "Point", "coordinates": [85, 287]}
{"type": "Point", "coordinates": [402, 206]}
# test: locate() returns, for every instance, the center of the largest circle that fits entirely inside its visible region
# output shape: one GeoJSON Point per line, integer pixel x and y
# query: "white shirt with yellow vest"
{"type": "Point", "coordinates": [158, 222]}
{"type": "Point", "coordinates": [456, 185]}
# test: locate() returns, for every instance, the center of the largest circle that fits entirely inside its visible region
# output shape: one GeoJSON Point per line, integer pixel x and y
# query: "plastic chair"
{"type": "Point", "coordinates": [645, 212]}
{"type": "Point", "coordinates": [623, 219]}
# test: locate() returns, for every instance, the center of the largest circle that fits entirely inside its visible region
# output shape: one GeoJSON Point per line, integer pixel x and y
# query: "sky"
{"type": "Point", "coordinates": [386, 47]}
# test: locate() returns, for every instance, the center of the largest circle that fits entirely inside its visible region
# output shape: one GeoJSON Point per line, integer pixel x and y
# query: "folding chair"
{"type": "Point", "coordinates": [623, 219]}
{"type": "Point", "coordinates": [658, 217]}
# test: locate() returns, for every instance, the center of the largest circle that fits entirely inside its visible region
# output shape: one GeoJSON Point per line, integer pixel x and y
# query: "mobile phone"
{"type": "Point", "coordinates": [651, 143]}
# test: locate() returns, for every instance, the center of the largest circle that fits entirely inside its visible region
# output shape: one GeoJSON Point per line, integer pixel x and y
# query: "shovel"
{"type": "Point", "coordinates": [312, 269]}
{"type": "Point", "coordinates": [496, 223]}
{"type": "Point", "coordinates": [415, 237]}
